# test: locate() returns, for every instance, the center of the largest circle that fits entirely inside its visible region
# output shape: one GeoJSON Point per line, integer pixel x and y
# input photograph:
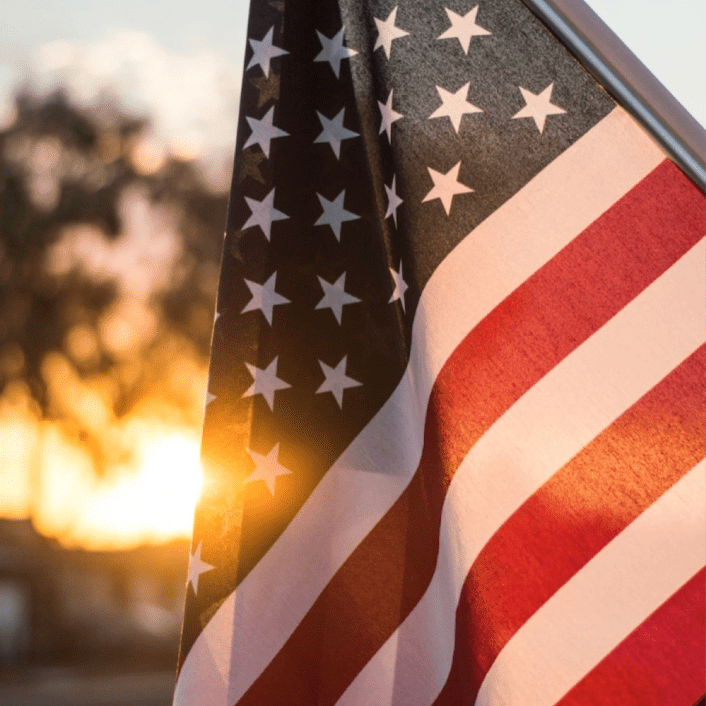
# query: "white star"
{"type": "Point", "coordinates": [538, 106]}
{"type": "Point", "coordinates": [263, 131]}
{"type": "Point", "coordinates": [334, 132]}
{"type": "Point", "coordinates": [336, 380]}
{"type": "Point", "coordinates": [388, 117]}
{"type": "Point", "coordinates": [400, 287]}
{"type": "Point", "coordinates": [387, 32]}
{"type": "Point", "coordinates": [334, 214]}
{"type": "Point", "coordinates": [209, 397]}
{"type": "Point", "coordinates": [335, 296]}
{"type": "Point", "coordinates": [265, 383]}
{"type": "Point", "coordinates": [264, 297]}
{"type": "Point", "coordinates": [197, 567]}
{"type": "Point", "coordinates": [263, 213]}
{"type": "Point", "coordinates": [393, 200]}
{"type": "Point", "coordinates": [454, 105]}
{"type": "Point", "coordinates": [333, 51]}
{"type": "Point", "coordinates": [463, 28]}
{"type": "Point", "coordinates": [267, 468]}
{"type": "Point", "coordinates": [264, 51]}
{"type": "Point", "coordinates": [446, 186]}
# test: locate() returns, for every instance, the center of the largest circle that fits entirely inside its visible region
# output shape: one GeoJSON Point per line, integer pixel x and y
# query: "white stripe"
{"type": "Point", "coordinates": [500, 254]}
{"type": "Point", "coordinates": [604, 602]}
{"type": "Point", "coordinates": [209, 667]}
{"type": "Point", "coordinates": [538, 435]}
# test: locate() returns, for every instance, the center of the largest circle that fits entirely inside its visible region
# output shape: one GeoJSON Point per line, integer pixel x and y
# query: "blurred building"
{"type": "Point", "coordinates": [61, 606]}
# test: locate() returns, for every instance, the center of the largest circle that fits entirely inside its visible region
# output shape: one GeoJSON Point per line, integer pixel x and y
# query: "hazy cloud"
{"type": "Point", "coordinates": [191, 99]}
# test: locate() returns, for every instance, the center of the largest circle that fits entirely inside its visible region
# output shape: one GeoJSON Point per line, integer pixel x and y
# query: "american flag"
{"type": "Point", "coordinates": [454, 439]}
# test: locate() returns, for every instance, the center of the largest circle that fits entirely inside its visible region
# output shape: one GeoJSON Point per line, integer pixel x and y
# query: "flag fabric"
{"type": "Point", "coordinates": [454, 436]}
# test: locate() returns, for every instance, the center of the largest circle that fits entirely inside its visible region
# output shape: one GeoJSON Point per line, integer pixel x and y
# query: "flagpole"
{"type": "Point", "coordinates": [627, 79]}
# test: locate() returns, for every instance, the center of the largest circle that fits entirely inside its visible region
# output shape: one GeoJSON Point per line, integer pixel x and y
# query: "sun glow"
{"type": "Point", "coordinates": [153, 505]}
{"type": "Point", "coordinates": [49, 474]}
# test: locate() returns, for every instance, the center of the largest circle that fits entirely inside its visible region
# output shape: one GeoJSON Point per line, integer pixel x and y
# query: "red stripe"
{"type": "Point", "coordinates": [659, 664]}
{"type": "Point", "coordinates": [546, 318]}
{"type": "Point", "coordinates": [572, 517]}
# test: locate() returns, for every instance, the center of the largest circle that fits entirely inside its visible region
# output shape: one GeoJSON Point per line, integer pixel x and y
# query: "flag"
{"type": "Point", "coordinates": [453, 442]}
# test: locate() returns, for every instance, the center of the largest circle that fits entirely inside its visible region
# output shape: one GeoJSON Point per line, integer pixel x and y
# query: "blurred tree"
{"type": "Point", "coordinates": [109, 255]}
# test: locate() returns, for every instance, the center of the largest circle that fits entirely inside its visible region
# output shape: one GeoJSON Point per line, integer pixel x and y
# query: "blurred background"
{"type": "Point", "coordinates": [117, 126]}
